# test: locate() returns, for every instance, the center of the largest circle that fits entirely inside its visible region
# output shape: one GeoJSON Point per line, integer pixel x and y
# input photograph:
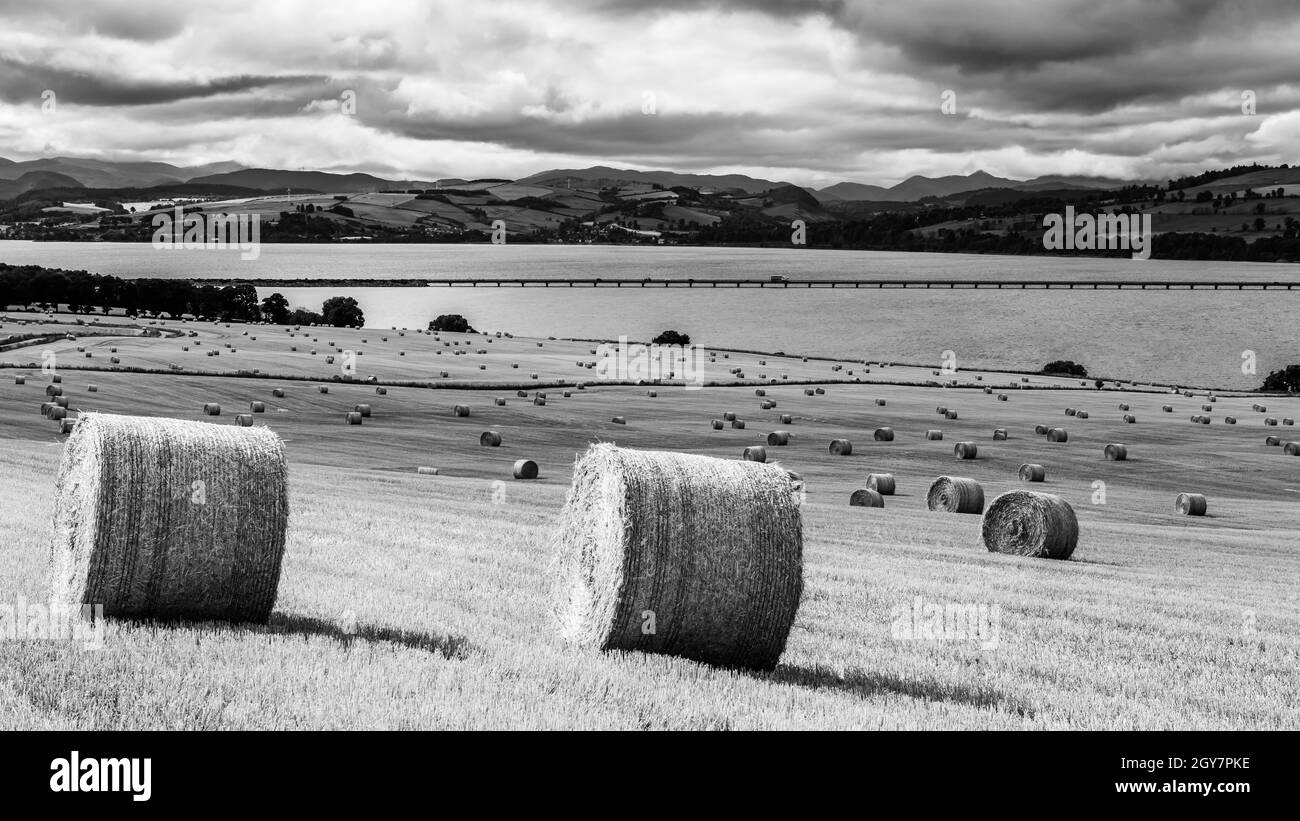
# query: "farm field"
{"type": "Point", "coordinates": [412, 601]}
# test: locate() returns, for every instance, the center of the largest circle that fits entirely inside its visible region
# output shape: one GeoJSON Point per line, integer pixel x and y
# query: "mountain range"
{"type": "Point", "coordinates": [71, 172]}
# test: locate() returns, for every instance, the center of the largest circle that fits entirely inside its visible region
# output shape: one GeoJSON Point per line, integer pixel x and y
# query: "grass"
{"type": "Point", "coordinates": [1158, 621]}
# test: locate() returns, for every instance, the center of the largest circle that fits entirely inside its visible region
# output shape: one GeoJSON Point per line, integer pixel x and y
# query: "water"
{"type": "Point", "coordinates": [1186, 337]}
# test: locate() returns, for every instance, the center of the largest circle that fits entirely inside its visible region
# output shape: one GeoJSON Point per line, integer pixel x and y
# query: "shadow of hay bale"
{"type": "Point", "coordinates": [865, 684]}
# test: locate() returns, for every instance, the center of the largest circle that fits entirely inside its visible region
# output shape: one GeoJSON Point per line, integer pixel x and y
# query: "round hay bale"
{"type": "Point", "coordinates": [364, 410]}
{"type": "Point", "coordinates": [257, 407]}
{"type": "Point", "coordinates": [965, 450]}
{"type": "Point", "coordinates": [778, 438]}
{"type": "Point", "coordinates": [426, 471]}
{"type": "Point", "coordinates": [1025, 523]}
{"type": "Point", "coordinates": [988, 390]}
{"type": "Point", "coordinates": [882, 483]}
{"type": "Point", "coordinates": [880, 402]}
{"type": "Point", "coordinates": [841, 447]}
{"type": "Point", "coordinates": [809, 392]}
{"type": "Point", "coordinates": [45, 408]}
{"type": "Point", "coordinates": [949, 494]}
{"type": "Point", "coordinates": [461, 410]}
{"type": "Point", "coordinates": [61, 401]}
{"type": "Point", "coordinates": [1261, 408]}
{"type": "Point", "coordinates": [1190, 504]}
{"type": "Point", "coordinates": [1272, 441]}
{"type": "Point", "coordinates": [661, 532]}
{"type": "Point", "coordinates": [766, 405]}
{"type": "Point", "coordinates": [244, 420]}
{"type": "Point", "coordinates": [883, 434]}
{"type": "Point", "coordinates": [952, 414]}
{"type": "Point", "coordinates": [500, 401]}
{"type": "Point", "coordinates": [1032, 473]}
{"type": "Point", "coordinates": [1132, 420]}
{"type": "Point", "coordinates": [619, 420]}
{"type": "Point", "coordinates": [1002, 397]}
{"type": "Point", "coordinates": [1291, 448]}
{"type": "Point", "coordinates": [53, 390]}
{"type": "Point", "coordinates": [323, 388]}
{"type": "Point", "coordinates": [1229, 420]}
{"type": "Point", "coordinates": [521, 394]}
{"type": "Point", "coordinates": [57, 413]}
{"type": "Point", "coordinates": [737, 424]}
{"type": "Point", "coordinates": [1081, 414]}
{"type": "Point", "coordinates": [56, 379]}
{"type": "Point", "coordinates": [934, 435]}
{"type": "Point", "coordinates": [1123, 406]}
{"type": "Point", "coordinates": [787, 419]}
{"type": "Point", "coordinates": [525, 469]}
{"type": "Point", "coordinates": [1205, 420]}
{"type": "Point", "coordinates": [1167, 408]}
{"type": "Point", "coordinates": [66, 426]}
{"type": "Point", "coordinates": [1288, 421]}
{"type": "Point", "coordinates": [1070, 411]}
{"type": "Point", "coordinates": [1058, 435]}
{"type": "Point", "coordinates": [20, 380]}
{"type": "Point", "coordinates": [381, 391]}
{"type": "Point", "coordinates": [163, 519]}
{"type": "Point", "coordinates": [278, 393]}
{"type": "Point", "coordinates": [760, 392]}
{"type": "Point", "coordinates": [1270, 422]}
{"type": "Point", "coordinates": [92, 388]}
{"type": "Point", "coordinates": [489, 439]}
{"type": "Point", "coordinates": [866, 497]}
{"type": "Point", "coordinates": [819, 391]}
{"type": "Point", "coordinates": [729, 416]}
{"type": "Point", "coordinates": [567, 394]}
{"type": "Point", "coordinates": [1041, 430]}
{"type": "Point", "coordinates": [717, 424]}
{"type": "Point", "coordinates": [329, 360]}
{"type": "Point", "coordinates": [353, 418]}
{"type": "Point", "coordinates": [754, 453]}
{"type": "Point", "coordinates": [539, 400]}
{"type": "Point", "coordinates": [999, 434]}
{"type": "Point", "coordinates": [1116, 453]}
{"type": "Point", "coordinates": [212, 409]}
{"type": "Point", "coordinates": [941, 410]}
{"type": "Point", "coordinates": [1207, 408]}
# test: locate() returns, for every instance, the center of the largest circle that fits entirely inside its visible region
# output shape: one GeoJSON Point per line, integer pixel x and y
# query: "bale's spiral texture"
{"type": "Point", "coordinates": [934, 434]}
{"type": "Point", "coordinates": [841, 447]}
{"type": "Point", "coordinates": [160, 518]}
{"type": "Point", "coordinates": [999, 434]}
{"type": "Point", "coordinates": [1190, 504]}
{"type": "Point", "coordinates": [882, 483]}
{"type": "Point", "coordinates": [755, 453]}
{"type": "Point", "coordinates": [955, 495]}
{"type": "Point", "coordinates": [490, 439]}
{"type": "Point", "coordinates": [1032, 473]}
{"type": "Point", "coordinates": [1058, 435]}
{"type": "Point", "coordinates": [884, 435]}
{"type": "Point", "coordinates": [712, 548]}
{"type": "Point", "coordinates": [1025, 523]}
{"type": "Point", "coordinates": [866, 497]}
{"type": "Point", "coordinates": [778, 438]}
{"type": "Point", "coordinates": [525, 469]}
{"type": "Point", "coordinates": [965, 450]}
{"type": "Point", "coordinates": [1116, 453]}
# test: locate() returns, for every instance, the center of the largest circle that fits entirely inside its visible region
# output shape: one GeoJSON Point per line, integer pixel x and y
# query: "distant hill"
{"type": "Point", "coordinates": [269, 179]}
{"type": "Point", "coordinates": [918, 187]}
{"type": "Point", "coordinates": [601, 176]}
{"type": "Point", "coordinates": [33, 180]}
{"type": "Point", "coordinates": [852, 191]}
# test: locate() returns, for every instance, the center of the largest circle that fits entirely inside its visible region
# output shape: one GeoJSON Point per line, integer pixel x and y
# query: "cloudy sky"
{"type": "Point", "coordinates": [810, 91]}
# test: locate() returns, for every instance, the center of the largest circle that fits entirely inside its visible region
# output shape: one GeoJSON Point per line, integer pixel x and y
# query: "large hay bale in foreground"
{"type": "Point", "coordinates": [1030, 472]}
{"type": "Point", "coordinates": [711, 548]}
{"type": "Point", "coordinates": [951, 494]}
{"type": "Point", "coordinates": [866, 497]}
{"type": "Point", "coordinates": [882, 483]}
{"type": "Point", "coordinates": [1025, 523]}
{"type": "Point", "coordinates": [1190, 504]}
{"type": "Point", "coordinates": [1116, 453]}
{"type": "Point", "coordinates": [160, 518]}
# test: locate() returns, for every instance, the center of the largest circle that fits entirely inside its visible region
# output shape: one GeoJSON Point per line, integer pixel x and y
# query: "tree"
{"type": "Point", "coordinates": [1260, 224]}
{"type": "Point", "coordinates": [1284, 380]}
{"type": "Point", "coordinates": [672, 338]}
{"type": "Point", "coordinates": [452, 324]}
{"type": "Point", "coordinates": [1065, 367]}
{"type": "Point", "coordinates": [275, 308]}
{"type": "Point", "coordinates": [343, 312]}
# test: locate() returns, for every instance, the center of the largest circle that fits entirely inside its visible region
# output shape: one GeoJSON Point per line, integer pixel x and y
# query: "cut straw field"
{"type": "Point", "coordinates": [409, 600]}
